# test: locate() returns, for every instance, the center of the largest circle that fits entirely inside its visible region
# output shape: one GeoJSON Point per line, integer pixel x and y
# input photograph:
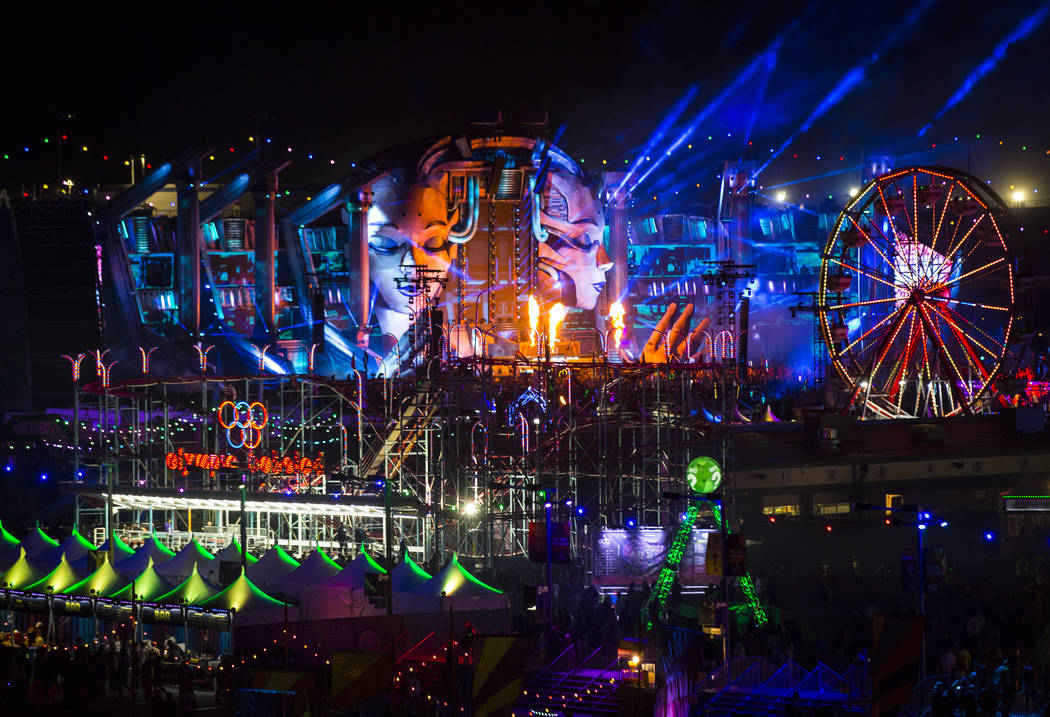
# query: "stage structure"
{"type": "Point", "coordinates": [425, 354]}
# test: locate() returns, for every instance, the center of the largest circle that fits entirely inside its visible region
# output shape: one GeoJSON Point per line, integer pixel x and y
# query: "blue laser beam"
{"type": "Point", "coordinates": [1027, 26]}
{"type": "Point", "coordinates": [851, 79]}
{"type": "Point", "coordinates": [665, 126]}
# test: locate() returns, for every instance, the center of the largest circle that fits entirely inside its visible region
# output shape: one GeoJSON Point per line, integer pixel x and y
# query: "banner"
{"type": "Point", "coordinates": [561, 546]}
{"type": "Point", "coordinates": [896, 649]}
{"type": "Point", "coordinates": [715, 554]}
{"type": "Point", "coordinates": [623, 557]}
{"type": "Point", "coordinates": [277, 684]}
{"type": "Point", "coordinates": [499, 671]}
{"type": "Point", "coordinates": [359, 676]}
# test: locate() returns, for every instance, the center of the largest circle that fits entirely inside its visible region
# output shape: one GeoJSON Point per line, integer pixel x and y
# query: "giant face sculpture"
{"type": "Point", "coordinates": [573, 256]}
{"type": "Point", "coordinates": [408, 226]}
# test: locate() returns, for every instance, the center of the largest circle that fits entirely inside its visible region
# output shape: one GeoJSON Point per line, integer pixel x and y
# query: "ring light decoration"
{"type": "Point", "coordinates": [245, 424]}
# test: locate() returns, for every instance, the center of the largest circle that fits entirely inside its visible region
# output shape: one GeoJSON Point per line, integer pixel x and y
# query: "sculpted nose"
{"type": "Point", "coordinates": [602, 259]}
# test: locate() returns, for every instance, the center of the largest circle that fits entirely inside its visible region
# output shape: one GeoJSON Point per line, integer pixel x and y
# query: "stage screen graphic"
{"type": "Point", "coordinates": [623, 557]}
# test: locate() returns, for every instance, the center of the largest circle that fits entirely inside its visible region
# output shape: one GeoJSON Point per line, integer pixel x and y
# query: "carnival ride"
{"type": "Point", "coordinates": [917, 295]}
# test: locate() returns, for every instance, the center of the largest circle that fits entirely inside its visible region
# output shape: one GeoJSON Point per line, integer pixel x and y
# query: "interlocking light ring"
{"type": "Point", "coordinates": [246, 421]}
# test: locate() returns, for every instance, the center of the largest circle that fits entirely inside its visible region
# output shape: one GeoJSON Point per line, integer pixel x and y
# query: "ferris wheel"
{"type": "Point", "coordinates": [916, 298]}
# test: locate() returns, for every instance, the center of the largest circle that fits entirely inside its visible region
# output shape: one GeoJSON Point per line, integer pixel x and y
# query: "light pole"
{"type": "Point", "coordinates": [923, 520]}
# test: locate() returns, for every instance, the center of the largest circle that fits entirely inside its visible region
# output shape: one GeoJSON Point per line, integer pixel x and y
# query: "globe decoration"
{"type": "Point", "coordinates": [704, 475]}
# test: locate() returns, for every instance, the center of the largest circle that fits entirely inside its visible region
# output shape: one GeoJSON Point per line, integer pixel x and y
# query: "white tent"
{"type": "Point", "coordinates": [341, 595]}
{"type": "Point", "coordinates": [181, 566]}
{"type": "Point", "coordinates": [452, 586]}
{"type": "Point", "coordinates": [138, 561]}
{"type": "Point", "coordinates": [272, 566]}
{"type": "Point", "coordinates": [407, 576]}
{"type": "Point", "coordinates": [315, 570]}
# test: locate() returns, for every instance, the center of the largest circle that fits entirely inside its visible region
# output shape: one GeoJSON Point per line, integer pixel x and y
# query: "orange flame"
{"type": "Point", "coordinates": [534, 319]}
{"type": "Point", "coordinates": [616, 314]}
{"type": "Point", "coordinates": [556, 316]}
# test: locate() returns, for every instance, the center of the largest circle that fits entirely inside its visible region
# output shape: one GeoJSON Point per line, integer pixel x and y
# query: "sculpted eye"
{"type": "Point", "coordinates": [383, 244]}
{"type": "Point", "coordinates": [435, 244]}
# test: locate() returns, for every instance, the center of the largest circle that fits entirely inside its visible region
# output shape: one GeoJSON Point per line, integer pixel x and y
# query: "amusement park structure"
{"type": "Point", "coordinates": [460, 338]}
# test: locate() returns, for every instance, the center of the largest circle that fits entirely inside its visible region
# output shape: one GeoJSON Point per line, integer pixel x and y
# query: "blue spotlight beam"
{"type": "Point", "coordinates": [850, 80]}
{"type": "Point", "coordinates": [661, 131]}
{"type": "Point", "coordinates": [1027, 26]}
{"type": "Point", "coordinates": [765, 59]}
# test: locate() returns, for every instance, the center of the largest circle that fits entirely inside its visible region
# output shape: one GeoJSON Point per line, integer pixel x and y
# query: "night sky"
{"type": "Point", "coordinates": [340, 86]}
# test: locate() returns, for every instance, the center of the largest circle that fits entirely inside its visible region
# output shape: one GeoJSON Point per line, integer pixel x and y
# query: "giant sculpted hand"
{"type": "Point", "coordinates": [678, 345]}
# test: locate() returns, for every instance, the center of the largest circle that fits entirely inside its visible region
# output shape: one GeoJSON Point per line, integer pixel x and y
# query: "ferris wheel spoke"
{"type": "Point", "coordinates": [956, 318]}
{"type": "Point", "coordinates": [958, 246]}
{"type": "Point", "coordinates": [904, 208]}
{"type": "Point", "coordinates": [892, 386]}
{"type": "Point", "coordinates": [946, 300]}
{"type": "Point", "coordinates": [874, 243]}
{"type": "Point", "coordinates": [869, 302]}
{"type": "Point", "coordinates": [957, 378]}
{"type": "Point", "coordinates": [973, 274]}
{"type": "Point", "coordinates": [870, 331]}
{"type": "Point", "coordinates": [866, 271]}
{"type": "Point", "coordinates": [944, 212]}
{"type": "Point", "coordinates": [887, 343]}
{"type": "Point", "coordinates": [896, 241]}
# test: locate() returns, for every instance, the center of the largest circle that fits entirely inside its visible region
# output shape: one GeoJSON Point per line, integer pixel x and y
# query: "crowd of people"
{"type": "Point", "coordinates": [87, 678]}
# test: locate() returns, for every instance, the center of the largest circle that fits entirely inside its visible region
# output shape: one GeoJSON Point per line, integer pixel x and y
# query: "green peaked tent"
{"type": "Point", "coordinates": [232, 554]}
{"type": "Point", "coordinates": [150, 548]}
{"type": "Point", "coordinates": [182, 564]}
{"type": "Point", "coordinates": [121, 549]}
{"type": "Point", "coordinates": [20, 574]}
{"type": "Point", "coordinates": [6, 539]}
{"type": "Point", "coordinates": [58, 579]}
{"type": "Point", "coordinates": [315, 570]}
{"type": "Point", "coordinates": [272, 566]}
{"type": "Point", "coordinates": [368, 564]}
{"type": "Point", "coordinates": [76, 548]}
{"type": "Point", "coordinates": [454, 579]}
{"type": "Point", "coordinates": [193, 590]}
{"type": "Point", "coordinates": [105, 581]}
{"type": "Point", "coordinates": [38, 542]}
{"type": "Point", "coordinates": [147, 586]}
{"type": "Point", "coordinates": [407, 575]}
{"type": "Point", "coordinates": [242, 595]}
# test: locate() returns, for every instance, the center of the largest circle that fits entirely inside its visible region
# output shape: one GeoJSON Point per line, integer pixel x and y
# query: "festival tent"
{"type": "Point", "coordinates": [454, 586]}
{"type": "Point", "coordinates": [20, 574]}
{"type": "Point", "coordinates": [148, 586]}
{"type": "Point", "coordinates": [353, 575]}
{"type": "Point", "coordinates": [768, 416]}
{"type": "Point", "coordinates": [151, 549]}
{"type": "Point", "coordinates": [232, 554]}
{"type": "Point", "coordinates": [339, 596]}
{"type": "Point", "coordinates": [76, 548]}
{"type": "Point", "coordinates": [315, 570]}
{"type": "Point", "coordinates": [103, 582]}
{"type": "Point", "coordinates": [38, 542]}
{"type": "Point", "coordinates": [407, 575]}
{"type": "Point", "coordinates": [194, 590]}
{"type": "Point", "coordinates": [180, 567]}
{"type": "Point", "coordinates": [121, 550]}
{"type": "Point", "coordinates": [739, 417]}
{"type": "Point", "coordinates": [9, 548]}
{"type": "Point", "coordinates": [272, 566]}
{"type": "Point", "coordinates": [58, 579]}
{"type": "Point", "coordinates": [252, 605]}
{"type": "Point", "coordinates": [710, 417]}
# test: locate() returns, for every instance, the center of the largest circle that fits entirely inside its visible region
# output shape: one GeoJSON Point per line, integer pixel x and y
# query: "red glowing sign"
{"type": "Point", "coordinates": [293, 464]}
{"type": "Point", "coordinates": [182, 461]}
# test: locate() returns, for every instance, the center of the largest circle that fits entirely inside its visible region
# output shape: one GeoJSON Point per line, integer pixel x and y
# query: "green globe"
{"type": "Point", "coordinates": [704, 475]}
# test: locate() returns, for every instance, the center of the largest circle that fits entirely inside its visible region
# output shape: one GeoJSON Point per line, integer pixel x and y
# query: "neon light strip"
{"type": "Point", "coordinates": [662, 589]}
{"type": "Point", "coordinates": [946, 284]}
{"type": "Point", "coordinates": [865, 273]}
